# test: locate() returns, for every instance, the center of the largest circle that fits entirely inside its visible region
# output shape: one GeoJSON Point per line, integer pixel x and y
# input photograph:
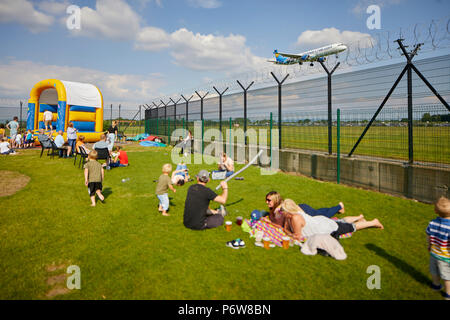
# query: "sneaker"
{"type": "Point", "coordinates": [446, 295]}
{"type": "Point", "coordinates": [436, 287]}
{"type": "Point", "coordinates": [233, 244]}
{"type": "Point", "coordinates": [241, 243]}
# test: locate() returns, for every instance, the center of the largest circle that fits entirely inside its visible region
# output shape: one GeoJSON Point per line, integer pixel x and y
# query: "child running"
{"type": "Point", "coordinates": [438, 236]}
{"type": "Point", "coordinates": [93, 177]}
{"type": "Point", "coordinates": [163, 185]}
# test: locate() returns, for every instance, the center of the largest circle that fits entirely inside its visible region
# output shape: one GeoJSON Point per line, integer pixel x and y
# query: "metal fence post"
{"type": "Point", "coordinates": [280, 83]}
{"type": "Point", "coordinates": [338, 142]}
{"type": "Point", "coordinates": [270, 139]}
{"type": "Point", "coordinates": [187, 110]}
{"type": "Point", "coordinates": [330, 130]}
{"type": "Point", "coordinates": [220, 109]}
{"type": "Point", "coordinates": [245, 108]}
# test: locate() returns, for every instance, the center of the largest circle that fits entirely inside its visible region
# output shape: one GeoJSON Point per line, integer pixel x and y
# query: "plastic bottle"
{"type": "Point", "coordinates": [125, 179]}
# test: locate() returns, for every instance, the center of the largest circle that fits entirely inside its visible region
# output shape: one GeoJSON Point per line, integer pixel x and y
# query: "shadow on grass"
{"type": "Point", "coordinates": [106, 192]}
{"type": "Point", "coordinates": [233, 203]}
{"type": "Point", "coordinates": [400, 264]}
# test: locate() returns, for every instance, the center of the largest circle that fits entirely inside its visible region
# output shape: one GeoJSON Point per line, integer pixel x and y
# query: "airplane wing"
{"type": "Point", "coordinates": [273, 61]}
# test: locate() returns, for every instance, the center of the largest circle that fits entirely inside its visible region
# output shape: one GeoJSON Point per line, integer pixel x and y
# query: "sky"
{"type": "Point", "coordinates": [138, 50]}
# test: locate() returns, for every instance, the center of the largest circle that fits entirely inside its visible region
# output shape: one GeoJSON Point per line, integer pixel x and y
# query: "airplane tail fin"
{"type": "Point", "coordinates": [275, 52]}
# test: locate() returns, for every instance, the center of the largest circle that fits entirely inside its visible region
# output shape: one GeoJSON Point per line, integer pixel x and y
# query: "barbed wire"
{"type": "Point", "coordinates": [381, 46]}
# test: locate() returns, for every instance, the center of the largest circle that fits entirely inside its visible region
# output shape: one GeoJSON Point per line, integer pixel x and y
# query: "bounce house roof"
{"type": "Point", "coordinates": [74, 93]}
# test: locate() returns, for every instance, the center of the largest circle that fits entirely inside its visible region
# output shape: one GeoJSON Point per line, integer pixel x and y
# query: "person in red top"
{"type": "Point", "coordinates": [121, 159]}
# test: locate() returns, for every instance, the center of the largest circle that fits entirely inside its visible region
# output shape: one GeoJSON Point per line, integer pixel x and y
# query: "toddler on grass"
{"type": "Point", "coordinates": [438, 235]}
{"type": "Point", "coordinates": [93, 177]}
{"type": "Point", "coordinates": [163, 185]}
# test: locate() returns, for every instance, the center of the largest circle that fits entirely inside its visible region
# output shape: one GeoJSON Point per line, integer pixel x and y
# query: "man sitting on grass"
{"type": "Point", "coordinates": [197, 214]}
{"type": "Point", "coordinates": [120, 160]}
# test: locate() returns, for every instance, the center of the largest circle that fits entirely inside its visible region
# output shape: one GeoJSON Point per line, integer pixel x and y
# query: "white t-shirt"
{"type": "Point", "coordinates": [229, 163]}
{"type": "Point", "coordinates": [71, 133]}
{"type": "Point", "coordinates": [48, 115]}
{"type": "Point", "coordinates": [318, 225]}
{"type": "Point", "coordinates": [18, 137]}
{"type": "Point", "coordinates": [4, 147]}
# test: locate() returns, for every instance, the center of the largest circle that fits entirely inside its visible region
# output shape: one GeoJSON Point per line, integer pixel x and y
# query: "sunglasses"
{"type": "Point", "coordinates": [268, 200]}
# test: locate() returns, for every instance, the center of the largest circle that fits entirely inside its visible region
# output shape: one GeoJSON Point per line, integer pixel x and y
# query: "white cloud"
{"type": "Point", "coordinates": [199, 51]}
{"type": "Point", "coordinates": [17, 78]}
{"type": "Point", "coordinates": [209, 52]}
{"type": "Point", "coordinates": [113, 19]}
{"type": "Point", "coordinates": [23, 12]}
{"type": "Point", "coordinates": [54, 7]}
{"type": "Point", "coordinates": [331, 35]}
{"type": "Point", "coordinates": [207, 4]}
{"type": "Point", "coordinates": [152, 39]}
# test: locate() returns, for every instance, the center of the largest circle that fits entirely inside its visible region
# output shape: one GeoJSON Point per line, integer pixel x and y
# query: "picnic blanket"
{"type": "Point", "coordinates": [274, 232]}
{"type": "Point", "coordinates": [270, 230]}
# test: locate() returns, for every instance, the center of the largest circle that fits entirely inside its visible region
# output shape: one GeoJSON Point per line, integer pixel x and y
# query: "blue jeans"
{"type": "Point", "coordinates": [164, 201]}
{"type": "Point", "coordinates": [72, 143]}
{"type": "Point", "coordinates": [116, 164]}
{"type": "Point", "coordinates": [229, 173]}
{"type": "Point", "coordinates": [327, 212]}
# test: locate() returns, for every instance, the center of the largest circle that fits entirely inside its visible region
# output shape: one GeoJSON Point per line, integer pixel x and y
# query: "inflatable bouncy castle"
{"type": "Point", "coordinates": [79, 103]}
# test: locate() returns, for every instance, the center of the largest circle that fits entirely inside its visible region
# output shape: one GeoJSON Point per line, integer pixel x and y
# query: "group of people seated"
{"type": "Point", "coordinates": [297, 220]}
{"type": "Point", "coordinates": [116, 157]}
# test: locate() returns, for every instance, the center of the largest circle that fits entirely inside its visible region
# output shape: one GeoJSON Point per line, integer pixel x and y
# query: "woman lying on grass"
{"type": "Point", "coordinates": [273, 200]}
{"type": "Point", "coordinates": [298, 224]}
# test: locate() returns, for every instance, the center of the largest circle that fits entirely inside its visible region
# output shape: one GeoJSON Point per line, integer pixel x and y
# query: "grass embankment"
{"type": "Point", "coordinates": [126, 250]}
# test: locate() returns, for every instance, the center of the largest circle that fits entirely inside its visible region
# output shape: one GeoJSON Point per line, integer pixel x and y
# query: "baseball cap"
{"type": "Point", "coordinates": [203, 175]}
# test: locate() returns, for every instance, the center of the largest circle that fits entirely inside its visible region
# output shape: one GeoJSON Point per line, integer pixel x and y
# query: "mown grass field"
{"type": "Point", "coordinates": [126, 250]}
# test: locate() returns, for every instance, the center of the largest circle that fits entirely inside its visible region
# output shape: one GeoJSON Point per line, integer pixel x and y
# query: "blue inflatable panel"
{"type": "Point", "coordinates": [151, 144]}
{"type": "Point", "coordinates": [42, 125]}
{"type": "Point", "coordinates": [30, 116]}
{"type": "Point", "coordinates": [83, 109]}
{"type": "Point", "coordinates": [84, 126]}
{"type": "Point", "coordinates": [61, 115]}
{"type": "Point", "coordinates": [51, 107]}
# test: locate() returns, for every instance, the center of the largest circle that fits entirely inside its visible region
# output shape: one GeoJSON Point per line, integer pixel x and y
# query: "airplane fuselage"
{"type": "Point", "coordinates": [310, 55]}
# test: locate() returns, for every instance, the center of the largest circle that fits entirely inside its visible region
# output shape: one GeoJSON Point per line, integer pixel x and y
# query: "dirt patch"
{"type": "Point", "coordinates": [12, 182]}
{"type": "Point", "coordinates": [60, 278]}
{"type": "Point", "coordinates": [56, 292]}
{"type": "Point", "coordinates": [54, 267]}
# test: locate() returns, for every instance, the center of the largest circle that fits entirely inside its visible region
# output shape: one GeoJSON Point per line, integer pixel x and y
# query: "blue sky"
{"type": "Point", "coordinates": [137, 50]}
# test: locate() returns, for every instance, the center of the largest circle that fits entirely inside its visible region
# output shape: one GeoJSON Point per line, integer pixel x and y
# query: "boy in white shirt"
{"type": "Point", "coordinates": [18, 141]}
{"type": "Point", "coordinates": [4, 147]}
{"type": "Point", "coordinates": [48, 118]}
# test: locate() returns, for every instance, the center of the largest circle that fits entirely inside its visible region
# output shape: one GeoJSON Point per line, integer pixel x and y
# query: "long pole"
{"type": "Point", "coordinates": [338, 133]}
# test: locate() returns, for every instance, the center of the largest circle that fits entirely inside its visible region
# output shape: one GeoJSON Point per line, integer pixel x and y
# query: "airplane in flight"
{"type": "Point", "coordinates": [308, 56]}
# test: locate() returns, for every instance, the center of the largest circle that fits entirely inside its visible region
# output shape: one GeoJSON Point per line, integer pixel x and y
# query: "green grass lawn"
{"type": "Point", "coordinates": [126, 250]}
